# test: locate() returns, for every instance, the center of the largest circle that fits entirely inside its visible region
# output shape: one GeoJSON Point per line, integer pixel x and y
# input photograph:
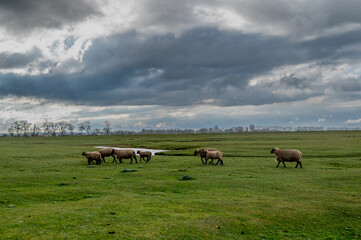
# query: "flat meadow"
{"type": "Point", "coordinates": [48, 190]}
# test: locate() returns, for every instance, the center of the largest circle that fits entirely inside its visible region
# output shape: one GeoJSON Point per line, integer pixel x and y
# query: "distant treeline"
{"type": "Point", "coordinates": [22, 128]}
{"type": "Point", "coordinates": [48, 128]}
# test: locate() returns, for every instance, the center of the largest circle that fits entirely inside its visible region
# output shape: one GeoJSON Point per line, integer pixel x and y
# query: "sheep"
{"type": "Point", "coordinates": [214, 155]}
{"type": "Point", "coordinates": [93, 156]}
{"type": "Point", "coordinates": [201, 153]}
{"type": "Point", "coordinates": [127, 154]}
{"type": "Point", "coordinates": [287, 156]}
{"type": "Point", "coordinates": [143, 154]}
{"type": "Point", "coordinates": [107, 152]}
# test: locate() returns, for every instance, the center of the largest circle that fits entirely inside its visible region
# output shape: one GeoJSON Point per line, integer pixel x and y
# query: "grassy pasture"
{"type": "Point", "coordinates": [47, 190]}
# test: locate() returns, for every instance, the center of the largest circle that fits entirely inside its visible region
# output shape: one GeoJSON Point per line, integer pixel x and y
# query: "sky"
{"type": "Point", "coordinates": [181, 64]}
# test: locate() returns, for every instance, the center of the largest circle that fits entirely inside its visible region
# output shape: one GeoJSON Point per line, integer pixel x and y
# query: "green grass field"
{"type": "Point", "coordinates": [48, 191]}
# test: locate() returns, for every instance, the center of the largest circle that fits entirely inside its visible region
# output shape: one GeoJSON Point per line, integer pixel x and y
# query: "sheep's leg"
{"type": "Point", "coordinates": [90, 161]}
{"type": "Point", "coordinates": [278, 163]}
{"type": "Point", "coordinates": [205, 161]}
{"type": "Point", "coordinates": [135, 159]}
{"type": "Point", "coordinates": [211, 162]}
{"type": "Point", "coordinates": [217, 162]}
{"type": "Point", "coordinates": [114, 160]}
{"type": "Point", "coordinates": [99, 161]}
{"type": "Point", "coordinates": [297, 164]}
{"type": "Point", "coordinates": [140, 159]}
{"type": "Point", "coordinates": [103, 159]}
{"type": "Point", "coordinates": [284, 165]}
{"type": "Point", "coordinates": [300, 164]}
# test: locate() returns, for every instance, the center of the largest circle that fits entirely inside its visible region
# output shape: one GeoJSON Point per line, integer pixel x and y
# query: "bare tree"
{"type": "Point", "coordinates": [252, 127]}
{"type": "Point", "coordinates": [62, 126]}
{"type": "Point", "coordinates": [107, 128]}
{"type": "Point", "coordinates": [47, 127]}
{"type": "Point", "coordinates": [70, 127]}
{"type": "Point", "coordinates": [81, 127]}
{"type": "Point", "coordinates": [25, 127]}
{"type": "Point", "coordinates": [11, 130]}
{"type": "Point", "coordinates": [87, 127]}
{"type": "Point", "coordinates": [53, 128]}
{"type": "Point", "coordinates": [35, 131]}
{"type": "Point", "coordinates": [16, 126]}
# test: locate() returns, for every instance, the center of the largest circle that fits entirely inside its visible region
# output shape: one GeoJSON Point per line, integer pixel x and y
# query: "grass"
{"type": "Point", "coordinates": [49, 192]}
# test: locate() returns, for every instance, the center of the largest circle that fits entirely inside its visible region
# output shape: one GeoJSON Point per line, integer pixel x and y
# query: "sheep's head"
{"type": "Point", "coordinates": [196, 152]}
{"type": "Point", "coordinates": [138, 152]}
{"type": "Point", "coordinates": [83, 154]}
{"type": "Point", "coordinates": [274, 149]}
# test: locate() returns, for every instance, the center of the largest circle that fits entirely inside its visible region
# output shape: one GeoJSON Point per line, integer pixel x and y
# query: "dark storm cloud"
{"type": "Point", "coordinates": [18, 60]}
{"type": "Point", "coordinates": [203, 64]}
{"type": "Point", "coordinates": [349, 85]}
{"type": "Point", "coordinates": [23, 16]}
{"type": "Point", "coordinates": [295, 82]}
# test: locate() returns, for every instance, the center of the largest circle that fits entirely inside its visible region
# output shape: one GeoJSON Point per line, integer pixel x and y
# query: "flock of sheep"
{"type": "Point", "coordinates": [205, 153]}
{"type": "Point", "coordinates": [99, 156]}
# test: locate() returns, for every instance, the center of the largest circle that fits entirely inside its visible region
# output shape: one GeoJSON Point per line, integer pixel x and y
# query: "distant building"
{"type": "Point", "coordinates": [342, 129]}
{"type": "Point", "coordinates": [309, 129]}
{"type": "Point", "coordinates": [274, 129]}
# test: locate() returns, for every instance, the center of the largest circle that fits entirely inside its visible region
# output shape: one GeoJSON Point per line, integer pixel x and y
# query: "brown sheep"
{"type": "Point", "coordinates": [107, 152]}
{"type": "Point", "coordinates": [93, 156]}
{"type": "Point", "coordinates": [287, 156]}
{"type": "Point", "coordinates": [127, 154]}
{"type": "Point", "coordinates": [214, 155]}
{"type": "Point", "coordinates": [201, 153]}
{"type": "Point", "coordinates": [144, 154]}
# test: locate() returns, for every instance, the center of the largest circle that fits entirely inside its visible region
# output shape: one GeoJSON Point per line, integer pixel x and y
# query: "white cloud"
{"type": "Point", "coordinates": [350, 121]}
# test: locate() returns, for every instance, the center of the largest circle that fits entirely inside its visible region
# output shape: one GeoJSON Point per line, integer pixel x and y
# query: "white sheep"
{"type": "Point", "coordinates": [287, 156]}
{"type": "Point", "coordinates": [93, 156]}
{"type": "Point", "coordinates": [107, 152]}
{"type": "Point", "coordinates": [213, 155]}
{"type": "Point", "coordinates": [127, 154]}
{"type": "Point", "coordinates": [144, 154]}
{"type": "Point", "coordinates": [201, 153]}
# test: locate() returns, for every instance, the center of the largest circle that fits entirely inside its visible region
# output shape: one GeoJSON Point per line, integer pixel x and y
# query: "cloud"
{"type": "Point", "coordinates": [349, 85]}
{"type": "Point", "coordinates": [350, 121]}
{"type": "Point", "coordinates": [22, 17]}
{"type": "Point", "coordinates": [19, 60]}
{"type": "Point", "coordinates": [203, 63]}
{"type": "Point", "coordinates": [184, 54]}
{"type": "Point", "coordinates": [295, 18]}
